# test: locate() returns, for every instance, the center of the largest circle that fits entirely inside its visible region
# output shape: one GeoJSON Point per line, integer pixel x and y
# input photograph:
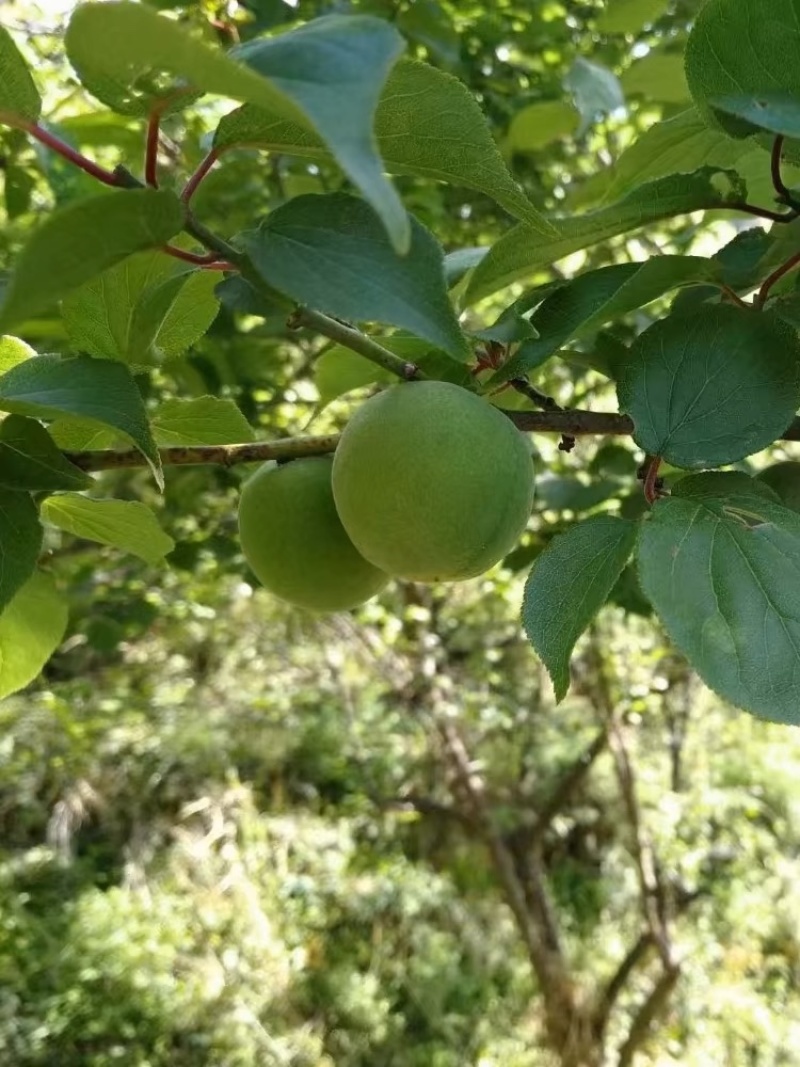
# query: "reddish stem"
{"type": "Point", "coordinates": [651, 492]}
{"type": "Point", "coordinates": [107, 177]}
{"type": "Point", "coordinates": [207, 260]}
{"type": "Point", "coordinates": [776, 276]}
{"type": "Point", "coordinates": [202, 259]}
{"type": "Point", "coordinates": [151, 149]}
{"type": "Point", "coordinates": [734, 297]}
{"type": "Point", "coordinates": [194, 181]}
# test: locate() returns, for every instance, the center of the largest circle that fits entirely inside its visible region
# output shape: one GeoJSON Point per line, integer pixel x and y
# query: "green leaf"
{"type": "Point", "coordinates": [722, 569]}
{"type": "Point", "coordinates": [12, 352]}
{"type": "Point", "coordinates": [31, 460]}
{"type": "Point", "coordinates": [538, 125]}
{"type": "Point", "coordinates": [426, 23]}
{"type": "Point", "coordinates": [236, 294]}
{"type": "Point", "coordinates": [709, 388]}
{"type": "Point", "coordinates": [427, 124]}
{"type": "Point", "coordinates": [681, 145]}
{"type": "Point", "coordinates": [100, 315]}
{"type": "Point", "coordinates": [659, 76]}
{"type": "Point", "coordinates": [81, 435]}
{"type": "Point", "coordinates": [459, 263]}
{"type": "Point", "coordinates": [595, 89]}
{"type": "Point", "coordinates": [31, 629]}
{"type": "Point", "coordinates": [318, 66]}
{"type": "Point", "coordinates": [508, 329]}
{"type": "Point", "coordinates": [98, 389]}
{"type": "Point", "coordinates": [592, 299]}
{"type": "Point", "coordinates": [627, 594]}
{"type": "Point", "coordinates": [121, 52]}
{"type": "Point", "coordinates": [329, 252]}
{"type": "Point", "coordinates": [777, 112]}
{"type": "Point", "coordinates": [182, 310]}
{"type": "Point", "coordinates": [570, 581]}
{"type": "Point", "coordinates": [146, 309]}
{"type": "Point", "coordinates": [18, 188]}
{"type": "Point", "coordinates": [521, 251]}
{"type": "Point", "coordinates": [100, 129]}
{"type": "Point", "coordinates": [741, 259]}
{"type": "Point", "coordinates": [82, 240]}
{"type": "Point", "coordinates": [734, 49]}
{"type": "Point", "coordinates": [19, 97]}
{"type": "Point", "coordinates": [339, 370]}
{"type": "Point", "coordinates": [125, 524]}
{"type": "Point", "coordinates": [20, 542]}
{"type": "Point", "coordinates": [204, 420]}
{"type": "Point", "coordinates": [629, 16]}
{"type": "Point", "coordinates": [784, 480]}
{"type": "Point", "coordinates": [787, 308]}
{"type": "Point", "coordinates": [554, 493]}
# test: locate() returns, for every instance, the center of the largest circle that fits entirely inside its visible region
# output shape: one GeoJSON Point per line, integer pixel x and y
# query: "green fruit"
{"type": "Point", "coordinates": [432, 483]}
{"type": "Point", "coordinates": [294, 542]}
{"type": "Point", "coordinates": [784, 479]}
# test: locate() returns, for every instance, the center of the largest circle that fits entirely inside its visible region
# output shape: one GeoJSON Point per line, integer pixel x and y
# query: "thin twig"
{"type": "Point", "coordinates": [206, 260]}
{"type": "Point", "coordinates": [650, 887]}
{"type": "Point", "coordinates": [775, 162]}
{"type": "Point", "coordinates": [64, 150]}
{"type": "Point", "coordinates": [569, 781]}
{"type": "Point", "coordinates": [202, 170]}
{"type": "Point", "coordinates": [631, 961]}
{"type": "Point", "coordinates": [151, 149]}
{"type": "Point", "coordinates": [761, 212]}
{"type": "Point", "coordinates": [782, 190]}
{"type": "Point", "coordinates": [547, 403]}
{"type": "Point", "coordinates": [734, 297]}
{"type": "Point", "coordinates": [766, 287]}
{"type": "Point", "coordinates": [355, 341]}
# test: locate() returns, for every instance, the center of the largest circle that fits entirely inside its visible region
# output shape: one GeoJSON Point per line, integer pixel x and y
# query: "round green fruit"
{"type": "Point", "coordinates": [432, 483]}
{"type": "Point", "coordinates": [294, 542]}
{"type": "Point", "coordinates": [784, 479]}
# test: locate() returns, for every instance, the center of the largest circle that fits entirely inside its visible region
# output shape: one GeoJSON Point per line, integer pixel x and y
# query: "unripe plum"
{"type": "Point", "coordinates": [294, 542]}
{"type": "Point", "coordinates": [432, 483]}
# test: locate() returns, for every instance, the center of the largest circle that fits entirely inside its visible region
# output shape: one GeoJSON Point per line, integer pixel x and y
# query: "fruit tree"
{"type": "Point", "coordinates": [348, 126]}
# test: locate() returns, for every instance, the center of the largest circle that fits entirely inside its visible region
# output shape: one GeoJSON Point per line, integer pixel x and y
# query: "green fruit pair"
{"type": "Point", "coordinates": [428, 483]}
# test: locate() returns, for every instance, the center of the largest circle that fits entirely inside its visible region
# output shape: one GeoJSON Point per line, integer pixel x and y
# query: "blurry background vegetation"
{"type": "Point", "coordinates": [232, 835]}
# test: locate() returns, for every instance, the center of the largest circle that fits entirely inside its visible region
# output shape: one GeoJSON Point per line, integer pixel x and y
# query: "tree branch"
{"type": "Point", "coordinates": [635, 956]}
{"type": "Point", "coordinates": [425, 806]}
{"type": "Point", "coordinates": [151, 148]}
{"type": "Point", "coordinates": [354, 340]}
{"type": "Point", "coordinates": [650, 1010]}
{"type": "Point", "coordinates": [569, 782]}
{"type": "Point", "coordinates": [300, 317]}
{"type": "Point", "coordinates": [650, 887]}
{"type": "Point", "coordinates": [576, 423]}
{"type": "Point", "coordinates": [531, 909]}
{"type": "Point", "coordinates": [218, 455]}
